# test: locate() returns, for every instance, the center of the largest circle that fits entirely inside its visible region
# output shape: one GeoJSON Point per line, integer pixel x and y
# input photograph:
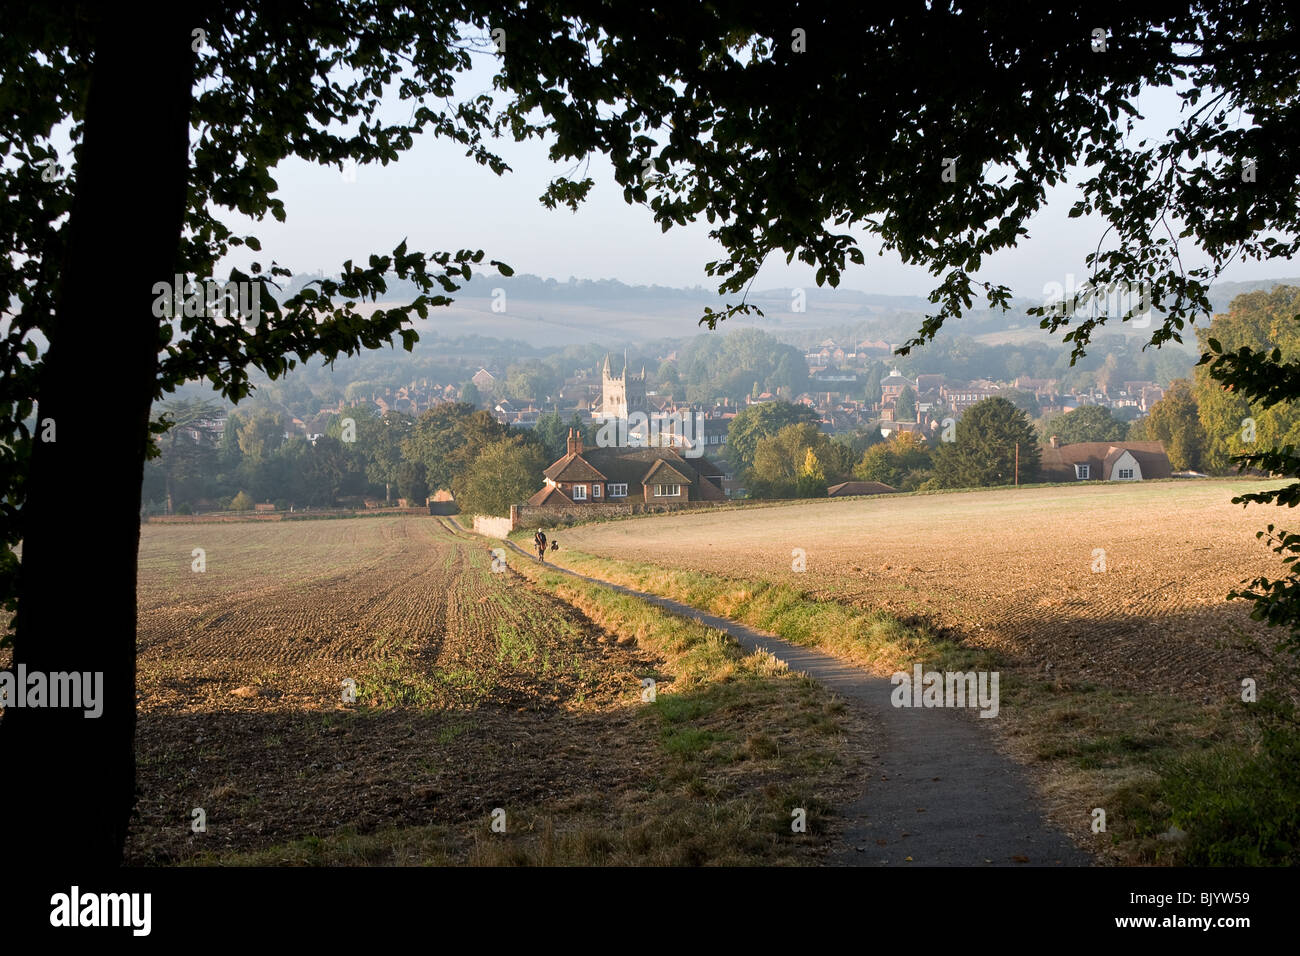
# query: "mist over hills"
{"type": "Point", "coordinates": [547, 313]}
{"type": "Point", "coordinates": [544, 312]}
{"type": "Point", "coordinates": [536, 318]}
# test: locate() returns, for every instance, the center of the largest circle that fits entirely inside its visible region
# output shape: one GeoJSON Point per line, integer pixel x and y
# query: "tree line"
{"type": "Point", "coordinates": [390, 456]}
{"type": "Point", "coordinates": [782, 453]}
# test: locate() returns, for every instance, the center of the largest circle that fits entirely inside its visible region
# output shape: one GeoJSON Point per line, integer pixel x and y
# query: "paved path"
{"type": "Point", "coordinates": [939, 792]}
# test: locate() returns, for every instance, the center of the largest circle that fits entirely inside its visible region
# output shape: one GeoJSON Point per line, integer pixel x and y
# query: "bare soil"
{"type": "Point", "coordinates": [482, 692]}
{"type": "Point", "coordinates": [1011, 569]}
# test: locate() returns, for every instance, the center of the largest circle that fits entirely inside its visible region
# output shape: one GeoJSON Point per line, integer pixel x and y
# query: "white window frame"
{"type": "Point", "coordinates": [595, 490]}
{"type": "Point", "coordinates": [618, 491]}
{"type": "Point", "coordinates": [1126, 474]}
{"type": "Point", "coordinates": [1082, 472]}
{"type": "Point", "coordinates": [579, 492]}
{"type": "Point", "coordinates": [676, 491]}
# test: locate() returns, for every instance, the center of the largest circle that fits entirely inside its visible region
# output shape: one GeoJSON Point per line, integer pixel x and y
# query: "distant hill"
{"type": "Point", "coordinates": [544, 312]}
{"type": "Point", "coordinates": [607, 312]}
{"type": "Point", "coordinates": [1222, 293]}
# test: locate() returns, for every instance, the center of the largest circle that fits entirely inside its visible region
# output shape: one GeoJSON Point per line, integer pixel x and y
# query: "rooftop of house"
{"type": "Point", "coordinates": [550, 495]}
{"type": "Point", "coordinates": [1150, 456]}
{"type": "Point", "coordinates": [630, 465]}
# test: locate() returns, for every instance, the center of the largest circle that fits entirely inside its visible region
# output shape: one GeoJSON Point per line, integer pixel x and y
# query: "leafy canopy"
{"type": "Point", "coordinates": [990, 437]}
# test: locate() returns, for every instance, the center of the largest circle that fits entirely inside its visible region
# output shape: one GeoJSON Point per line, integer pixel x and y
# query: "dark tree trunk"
{"type": "Point", "coordinates": [69, 780]}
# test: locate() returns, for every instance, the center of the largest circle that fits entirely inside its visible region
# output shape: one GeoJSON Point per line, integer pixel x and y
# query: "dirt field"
{"type": "Point", "coordinates": [474, 690]}
{"type": "Point", "coordinates": [1011, 569]}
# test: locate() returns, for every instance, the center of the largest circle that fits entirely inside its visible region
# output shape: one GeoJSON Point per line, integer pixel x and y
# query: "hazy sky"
{"type": "Point", "coordinates": [440, 200]}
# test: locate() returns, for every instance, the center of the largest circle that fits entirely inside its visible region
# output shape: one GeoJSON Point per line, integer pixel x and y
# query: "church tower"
{"type": "Point", "coordinates": [622, 394]}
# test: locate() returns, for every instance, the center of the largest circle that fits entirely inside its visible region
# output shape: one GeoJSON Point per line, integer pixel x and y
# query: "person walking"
{"type": "Point", "coordinates": [539, 540]}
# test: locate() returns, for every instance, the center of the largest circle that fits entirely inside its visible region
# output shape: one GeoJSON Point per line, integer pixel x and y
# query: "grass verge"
{"type": "Point", "coordinates": [1179, 781]}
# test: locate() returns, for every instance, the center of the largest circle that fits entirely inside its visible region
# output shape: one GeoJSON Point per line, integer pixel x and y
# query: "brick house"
{"type": "Point", "coordinates": [617, 475]}
{"type": "Point", "coordinates": [892, 386]}
{"type": "Point", "coordinates": [958, 398]}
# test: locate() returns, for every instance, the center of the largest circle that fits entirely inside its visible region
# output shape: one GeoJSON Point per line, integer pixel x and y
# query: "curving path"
{"type": "Point", "coordinates": [939, 792]}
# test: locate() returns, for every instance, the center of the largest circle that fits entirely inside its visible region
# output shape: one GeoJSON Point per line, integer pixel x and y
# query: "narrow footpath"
{"type": "Point", "coordinates": [939, 794]}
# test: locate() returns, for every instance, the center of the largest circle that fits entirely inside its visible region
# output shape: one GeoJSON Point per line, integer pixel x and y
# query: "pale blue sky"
{"type": "Point", "coordinates": [438, 199]}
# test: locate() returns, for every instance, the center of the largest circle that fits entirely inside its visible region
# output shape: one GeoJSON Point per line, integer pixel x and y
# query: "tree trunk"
{"type": "Point", "coordinates": [70, 779]}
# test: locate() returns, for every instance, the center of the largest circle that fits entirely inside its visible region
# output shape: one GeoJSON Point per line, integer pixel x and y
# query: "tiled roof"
{"type": "Point", "coordinates": [632, 465]}
{"type": "Point", "coordinates": [550, 495]}
{"type": "Point", "coordinates": [662, 472]}
{"type": "Point", "coordinates": [1100, 456]}
{"type": "Point", "coordinates": [574, 468]}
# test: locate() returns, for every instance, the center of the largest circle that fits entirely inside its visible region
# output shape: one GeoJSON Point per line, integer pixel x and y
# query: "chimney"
{"type": "Point", "coordinates": [568, 448]}
{"type": "Point", "coordinates": [1054, 442]}
{"type": "Point", "coordinates": [574, 446]}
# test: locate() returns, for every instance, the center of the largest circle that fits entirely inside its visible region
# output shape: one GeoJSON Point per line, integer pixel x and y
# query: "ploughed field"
{"type": "Point", "coordinates": [1011, 569]}
{"type": "Point", "coordinates": [473, 690]}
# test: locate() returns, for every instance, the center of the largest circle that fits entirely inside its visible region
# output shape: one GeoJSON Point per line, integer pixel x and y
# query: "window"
{"type": "Point", "coordinates": [667, 491]}
{"type": "Point", "coordinates": [1125, 473]}
{"type": "Point", "coordinates": [595, 491]}
{"type": "Point", "coordinates": [1081, 471]}
{"type": "Point", "coordinates": [579, 492]}
{"type": "Point", "coordinates": [618, 491]}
